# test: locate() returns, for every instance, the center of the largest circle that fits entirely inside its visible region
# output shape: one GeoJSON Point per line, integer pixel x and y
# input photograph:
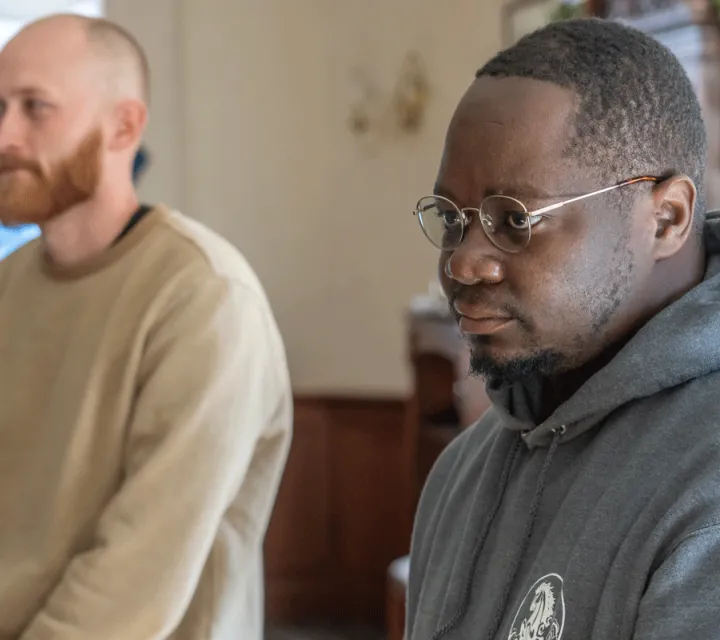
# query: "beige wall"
{"type": "Point", "coordinates": [249, 135]}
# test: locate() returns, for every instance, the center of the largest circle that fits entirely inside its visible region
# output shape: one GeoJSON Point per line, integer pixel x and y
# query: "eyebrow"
{"type": "Point", "coordinates": [514, 189]}
{"type": "Point", "coordinates": [526, 189]}
{"type": "Point", "coordinates": [439, 190]}
{"type": "Point", "coordinates": [29, 90]}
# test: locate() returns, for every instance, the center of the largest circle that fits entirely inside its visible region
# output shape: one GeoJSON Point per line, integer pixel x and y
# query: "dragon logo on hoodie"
{"type": "Point", "coordinates": [542, 613]}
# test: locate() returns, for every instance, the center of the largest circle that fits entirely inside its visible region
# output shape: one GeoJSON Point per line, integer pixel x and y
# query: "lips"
{"type": "Point", "coordinates": [477, 321]}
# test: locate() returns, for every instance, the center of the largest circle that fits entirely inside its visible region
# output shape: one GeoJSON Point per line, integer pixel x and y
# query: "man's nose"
{"type": "Point", "coordinates": [12, 132]}
{"type": "Point", "coordinates": [475, 260]}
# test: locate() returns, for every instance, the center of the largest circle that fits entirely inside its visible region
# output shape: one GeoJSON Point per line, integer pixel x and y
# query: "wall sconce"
{"type": "Point", "coordinates": [403, 111]}
{"type": "Point", "coordinates": [411, 95]}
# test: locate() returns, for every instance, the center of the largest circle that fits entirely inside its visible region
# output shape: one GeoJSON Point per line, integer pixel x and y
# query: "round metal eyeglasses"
{"type": "Point", "coordinates": [506, 221]}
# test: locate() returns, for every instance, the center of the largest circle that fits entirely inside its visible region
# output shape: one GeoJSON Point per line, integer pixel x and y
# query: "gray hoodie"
{"type": "Point", "coordinates": [601, 523]}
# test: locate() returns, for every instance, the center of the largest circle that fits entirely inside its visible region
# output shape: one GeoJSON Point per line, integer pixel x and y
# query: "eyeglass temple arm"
{"type": "Point", "coordinates": [557, 205]}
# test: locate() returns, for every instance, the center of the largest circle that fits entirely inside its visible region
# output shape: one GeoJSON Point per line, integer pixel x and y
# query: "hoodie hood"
{"type": "Point", "coordinates": [680, 343]}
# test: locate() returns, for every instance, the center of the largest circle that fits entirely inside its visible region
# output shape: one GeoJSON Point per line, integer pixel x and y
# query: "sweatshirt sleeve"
{"type": "Point", "coordinates": [682, 599]}
{"type": "Point", "coordinates": [210, 429]}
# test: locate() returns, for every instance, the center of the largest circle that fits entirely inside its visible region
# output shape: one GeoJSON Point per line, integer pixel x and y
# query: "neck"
{"type": "Point", "coordinates": [87, 230]}
{"type": "Point", "coordinates": [558, 389]}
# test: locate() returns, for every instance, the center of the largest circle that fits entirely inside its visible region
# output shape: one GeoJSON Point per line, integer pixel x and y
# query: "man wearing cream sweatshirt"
{"type": "Point", "coordinates": [145, 404]}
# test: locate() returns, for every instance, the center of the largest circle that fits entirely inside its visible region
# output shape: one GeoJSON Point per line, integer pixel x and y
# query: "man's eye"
{"type": "Point", "coordinates": [517, 220]}
{"type": "Point", "coordinates": [450, 218]}
{"type": "Point", "coordinates": [34, 105]}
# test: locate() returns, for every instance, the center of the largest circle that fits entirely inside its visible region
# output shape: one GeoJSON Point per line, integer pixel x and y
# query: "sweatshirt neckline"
{"type": "Point", "coordinates": [110, 256]}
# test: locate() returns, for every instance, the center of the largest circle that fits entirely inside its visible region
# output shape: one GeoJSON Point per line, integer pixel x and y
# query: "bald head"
{"type": "Point", "coordinates": [73, 111]}
{"type": "Point", "coordinates": [112, 50]}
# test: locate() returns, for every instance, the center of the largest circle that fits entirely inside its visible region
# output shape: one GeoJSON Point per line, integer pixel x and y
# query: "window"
{"type": "Point", "coordinates": [13, 238]}
{"type": "Point", "coordinates": [10, 23]}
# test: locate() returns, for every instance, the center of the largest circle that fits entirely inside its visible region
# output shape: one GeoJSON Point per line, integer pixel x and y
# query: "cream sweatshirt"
{"type": "Point", "coordinates": [145, 421]}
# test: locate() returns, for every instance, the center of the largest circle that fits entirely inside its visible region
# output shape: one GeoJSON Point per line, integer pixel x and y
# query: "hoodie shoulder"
{"type": "Point", "coordinates": [468, 447]}
{"type": "Point", "coordinates": [455, 470]}
{"type": "Point", "coordinates": [454, 479]}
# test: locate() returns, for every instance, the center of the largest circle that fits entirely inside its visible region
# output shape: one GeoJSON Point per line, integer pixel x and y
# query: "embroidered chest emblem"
{"type": "Point", "coordinates": [541, 615]}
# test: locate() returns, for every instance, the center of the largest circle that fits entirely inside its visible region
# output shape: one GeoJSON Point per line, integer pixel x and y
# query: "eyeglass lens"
{"type": "Point", "coordinates": [504, 220]}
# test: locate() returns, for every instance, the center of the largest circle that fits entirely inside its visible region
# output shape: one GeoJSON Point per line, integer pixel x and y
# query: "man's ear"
{"type": "Point", "coordinates": [128, 125]}
{"type": "Point", "coordinates": [674, 205]}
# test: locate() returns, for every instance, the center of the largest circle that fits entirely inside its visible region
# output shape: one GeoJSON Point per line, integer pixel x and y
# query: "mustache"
{"type": "Point", "coordinates": [10, 162]}
{"type": "Point", "coordinates": [479, 296]}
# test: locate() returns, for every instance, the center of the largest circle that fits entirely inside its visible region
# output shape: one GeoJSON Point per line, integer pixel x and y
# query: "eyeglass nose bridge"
{"type": "Point", "coordinates": [486, 221]}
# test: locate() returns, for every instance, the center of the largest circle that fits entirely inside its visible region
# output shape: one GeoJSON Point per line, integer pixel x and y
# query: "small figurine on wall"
{"type": "Point", "coordinates": [569, 10]}
{"type": "Point", "coordinates": [523, 16]}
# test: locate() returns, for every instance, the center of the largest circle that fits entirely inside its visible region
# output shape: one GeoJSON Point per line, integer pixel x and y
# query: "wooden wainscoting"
{"type": "Point", "coordinates": [343, 513]}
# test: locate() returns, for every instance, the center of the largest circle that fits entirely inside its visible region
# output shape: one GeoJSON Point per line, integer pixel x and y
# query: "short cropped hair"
{"type": "Point", "coordinates": [117, 42]}
{"type": "Point", "coordinates": [638, 113]}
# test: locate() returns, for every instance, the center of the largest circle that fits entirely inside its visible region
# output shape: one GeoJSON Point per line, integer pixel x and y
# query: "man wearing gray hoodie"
{"type": "Point", "coordinates": [581, 266]}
